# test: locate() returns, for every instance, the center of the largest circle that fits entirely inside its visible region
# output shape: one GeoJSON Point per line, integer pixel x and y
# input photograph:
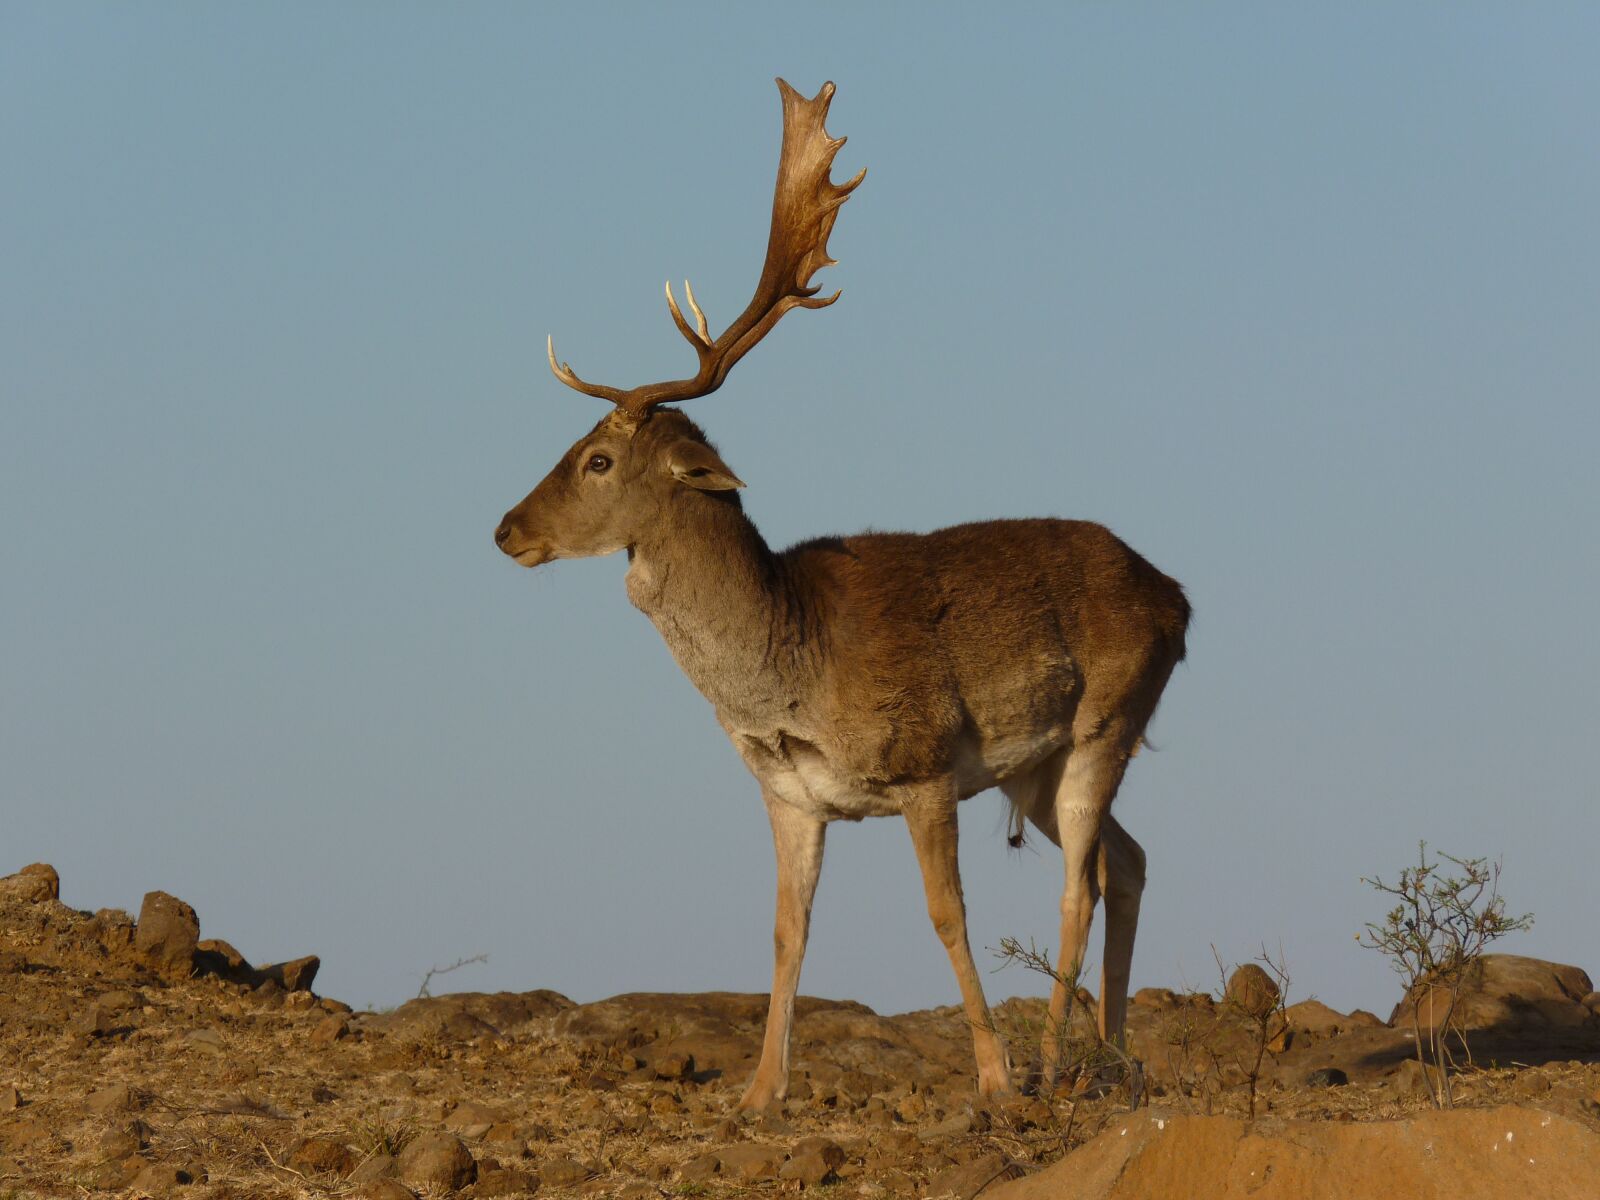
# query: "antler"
{"type": "Point", "coordinates": [805, 205]}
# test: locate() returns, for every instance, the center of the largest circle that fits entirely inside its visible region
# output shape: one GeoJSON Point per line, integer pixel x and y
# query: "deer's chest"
{"type": "Point", "coordinates": [804, 776]}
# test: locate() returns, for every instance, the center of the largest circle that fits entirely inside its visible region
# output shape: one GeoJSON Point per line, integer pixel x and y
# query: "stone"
{"type": "Point", "coordinates": [120, 1142]}
{"type": "Point", "coordinates": [34, 884]}
{"type": "Point", "coordinates": [113, 929]}
{"type": "Point", "coordinates": [328, 1031]}
{"type": "Point", "coordinates": [1155, 997]}
{"type": "Point", "coordinates": [1253, 990]}
{"type": "Point", "coordinates": [473, 1119]}
{"type": "Point", "coordinates": [813, 1160]}
{"type": "Point", "coordinates": [10, 1099]}
{"type": "Point", "coordinates": [323, 1154]}
{"type": "Point", "coordinates": [214, 956]}
{"type": "Point", "coordinates": [167, 934]}
{"type": "Point", "coordinates": [1316, 1018]}
{"type": "Point", "coordinates": [1413, 1079]}
{"type": "Point", "coordinates": [269, 993]}
{"type": "Point", "coordinates": [160, 1179]}
{"type": "Point", "coordinates": [377, 1165]}
{"type": "Point", "coordinates": [384, 1189]}
{"type": "Point", "coordinates": [293, 976]}
{"type": "Point", "coordinates": [118, 1097]}
{"type": "Point", "coordinates": [673, 1065]}
{"type": "Point", "coordinates": [203, 1041]}
{"type": "Point", "coordinates": [504, 1182]}
{"type": "Point", "coordinates": [1511, 997]}
{"type": "Point", "coordinates": [967, 1180]}
{"type": "Point", "coordinates": [772, 1123]}
{"type": "Point", "coordinates": [1327, 1077]}
{"type": "Point", "coordinates": [957, 1126]}
{"type": "Point", "coordinates": [698, 1170]}
{"type": "Point", "coordinates": [750, 1161]}
{"type": "Point", "coordinates": [437, 1160]}
{"type": "Point", "coordinates": [562, 1172]}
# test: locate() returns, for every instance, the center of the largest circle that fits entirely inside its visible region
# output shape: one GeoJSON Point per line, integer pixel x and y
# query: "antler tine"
{"type": "Point", "coordinates": [569, 377]}
{"type": "Point", "coordinates": [699, 338]}
{"type": "Point", "coordinates": [699, 317]}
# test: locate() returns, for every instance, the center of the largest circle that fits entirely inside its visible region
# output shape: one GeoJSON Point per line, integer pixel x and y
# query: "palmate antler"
{"type": "Point", "coordinates": [805, 204]}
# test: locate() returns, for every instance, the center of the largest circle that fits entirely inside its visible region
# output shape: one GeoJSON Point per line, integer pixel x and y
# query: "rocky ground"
{"type": "Point", "coordinates": [137, 1059]}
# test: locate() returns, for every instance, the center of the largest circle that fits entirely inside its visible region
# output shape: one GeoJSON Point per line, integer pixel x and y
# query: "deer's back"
{"type": "Point", "coordinates": [989, 643]}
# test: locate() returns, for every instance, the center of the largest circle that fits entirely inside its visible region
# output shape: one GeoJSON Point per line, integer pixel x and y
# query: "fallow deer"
{"type": "Point", "coordinates": [885, 673]}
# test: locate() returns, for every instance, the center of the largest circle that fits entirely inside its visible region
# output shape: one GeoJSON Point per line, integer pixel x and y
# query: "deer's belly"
{"type": "Point", "coordinates": [798, 773]}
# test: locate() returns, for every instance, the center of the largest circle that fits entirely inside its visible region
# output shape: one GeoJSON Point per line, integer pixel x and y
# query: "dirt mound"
{"type": "Point", "coordinates": [137, 1058]}
{"type": "Point", "coordinates": [1484, 1154]}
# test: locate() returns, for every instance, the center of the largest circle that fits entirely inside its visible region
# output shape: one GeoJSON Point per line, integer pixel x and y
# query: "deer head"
{"type": "Point", "coordinates": [616, 480]}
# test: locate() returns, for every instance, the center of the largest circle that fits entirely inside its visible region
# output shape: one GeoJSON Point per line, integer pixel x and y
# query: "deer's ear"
{"type": "Point", "coordinates": [697, 465]}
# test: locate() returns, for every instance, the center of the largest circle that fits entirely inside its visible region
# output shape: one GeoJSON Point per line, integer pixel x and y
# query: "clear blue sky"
{"type": "Point", "coordinates": [1302, 300]}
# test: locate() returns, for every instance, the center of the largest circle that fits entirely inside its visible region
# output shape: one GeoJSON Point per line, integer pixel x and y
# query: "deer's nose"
{"type": "Point", "coordinates": [501, 534]}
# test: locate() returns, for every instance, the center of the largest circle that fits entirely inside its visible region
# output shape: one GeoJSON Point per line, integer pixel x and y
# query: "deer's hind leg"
{"type": "Point", "coordinates": [1113, 866]}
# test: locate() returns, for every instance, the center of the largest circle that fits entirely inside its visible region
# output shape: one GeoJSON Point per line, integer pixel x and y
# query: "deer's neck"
{"type": "Point", "coordinates": [728, 609]}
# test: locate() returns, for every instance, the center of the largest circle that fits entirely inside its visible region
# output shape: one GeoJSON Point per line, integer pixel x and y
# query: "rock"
{"type": "Point", "coordinates": [1453, 1154]}
{"type": "Point", "coordinates": [1511, 998]}
{"type": "Point", "coordinates": [293, 976]}
{"type": "Point", "coordinates": [957, 1126]}
{"type": "Point", "coordinates": [1253, 990]}
{"type": "Point", "coordinates": [160, 1178]}
{"type": "Point", "coordinates": [1316, 1018]}
{"type": "Point", "coordinates": [562, 1172]}
{"type": "Point", "coordinates": [35, 883]}
{"type": "Point", "coordinates": [167, 934]}
{"type": "Point", "coordinates": [217, 957]}
{"type": "Point", "coordinates": [698, 1170]}
{"type": "Point", "coordinates": [384, 1189]}
{"type": "Point", "coordinates": [1327, 1077]}
{"type": "Point", "coordinates": [113, 929]}
{"type": "Point", "coordinates": [119, 1143]}
{"type": "Point", "coordinates": [773, 1124]}
{"type": "Point", "coordinates": [437, 1160]}
{"type": "Point", "coordinates": [204, 1041]}
{"type": "Point", "coordinates": [473, 1120]}
{"type": "Point", "coordinates": [1413, 1079]}
{"type": "Point", "coordinates": [10, 1099]}
{"type": "Point", "coordinates": [323, 1154]}
{"type": "Point", "coordinates": [377, 1165]}
{"type": "Point", "coordinates": [504, 1182]}
{"type": "Point", "coordinates": [118, 1097]}
{"type": "Point", "coordinates": [967, 1180]}
{"type": "Point", "coordinates": [1530, 1083]}
{"type": "Point", "coordinates": [813, 1160]}
{"type": "Point", "coordinates": [750, 1161]}
{"type": "Point", "coordinates": [269, 993]}
{"type": "Point", "coordinates": [1155, 997]}
{"type": "Point", "coordinates": [673, 1065]}
{"type": "Point", "coordinates": [328, 1031]}
{"type": "Point", "coordinates": [102, 1020]}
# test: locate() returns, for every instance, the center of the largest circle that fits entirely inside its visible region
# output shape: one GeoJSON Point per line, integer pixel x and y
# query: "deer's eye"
{"type": "Point", "coordinates": [598, 463]}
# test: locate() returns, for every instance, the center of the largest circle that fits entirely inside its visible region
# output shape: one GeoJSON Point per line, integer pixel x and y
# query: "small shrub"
{"type": "Point", "coordinates": [1438, 928]}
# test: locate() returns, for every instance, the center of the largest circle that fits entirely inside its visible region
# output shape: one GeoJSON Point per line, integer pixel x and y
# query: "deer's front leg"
{"type": "Point", "coordinates": [932, 819]}
{"type": "Point", "coordinates": [797, 839]}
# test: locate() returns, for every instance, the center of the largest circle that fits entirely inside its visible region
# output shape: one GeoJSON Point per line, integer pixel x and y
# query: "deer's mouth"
{"type": "Point", "coordinates": [532, 556]}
